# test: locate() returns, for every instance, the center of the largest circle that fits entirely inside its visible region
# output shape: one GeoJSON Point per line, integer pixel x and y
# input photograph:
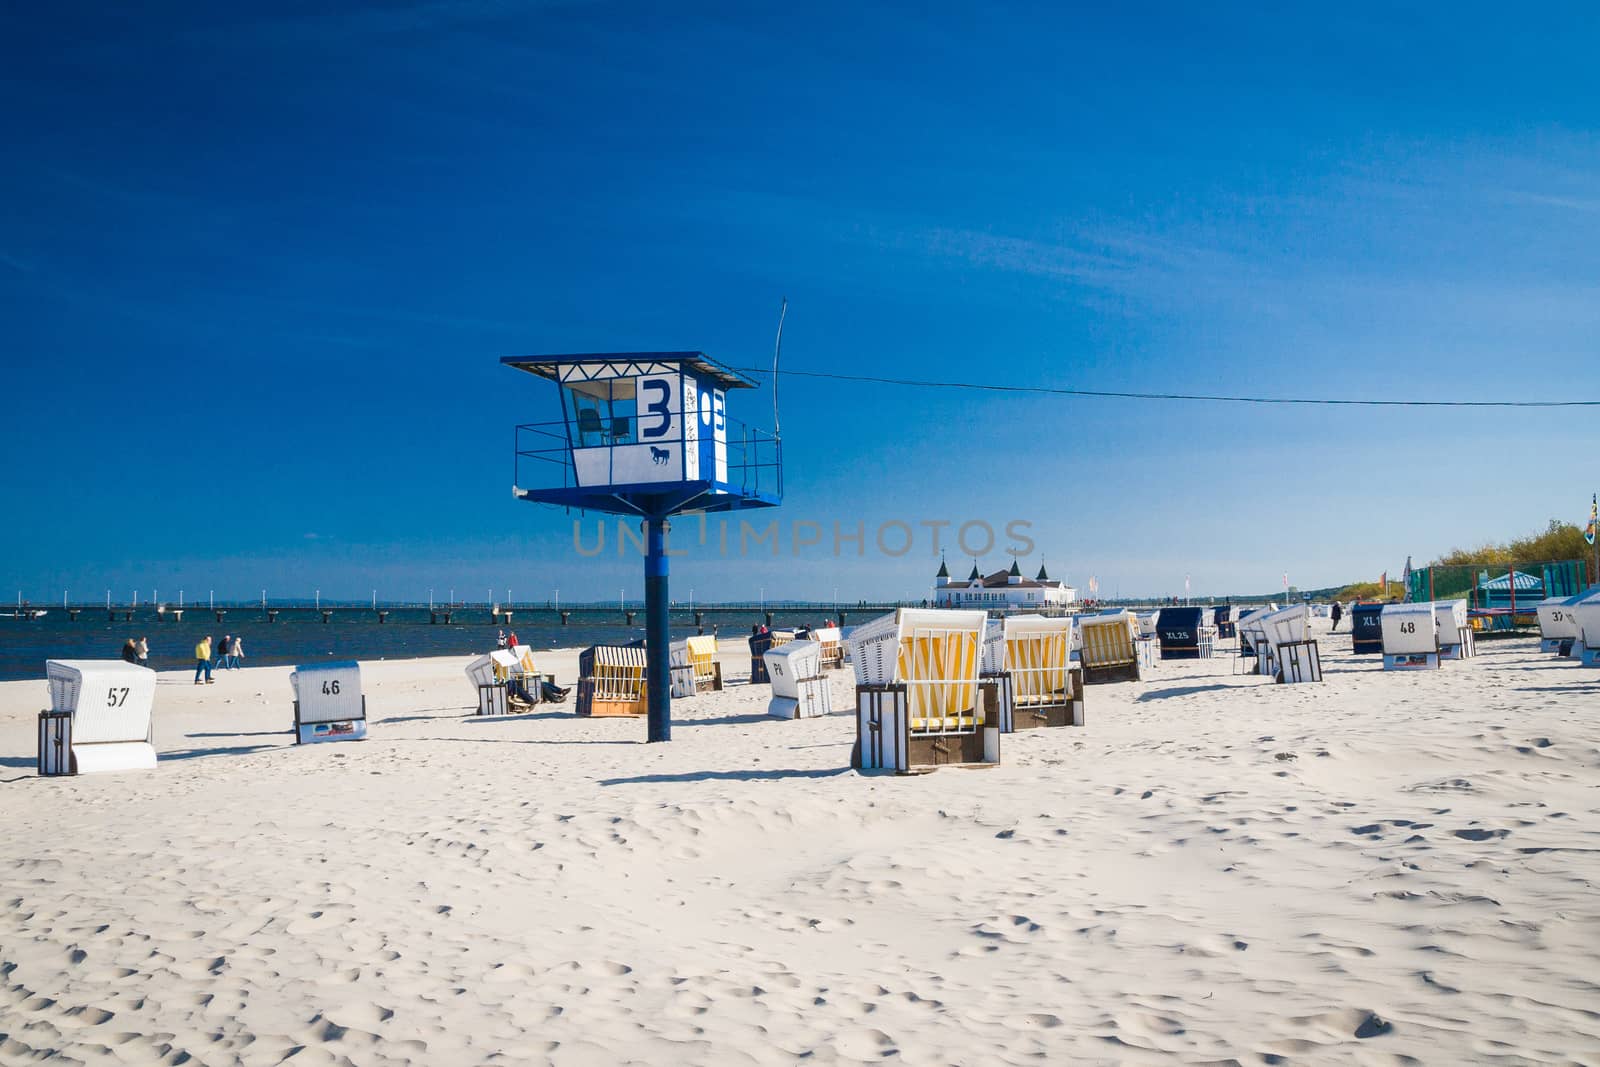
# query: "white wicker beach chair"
{"type": "Point", "coordinates": [1410, 637]}
{"type": "Point", "coordinates": [1558, 625]}
{"type": "Point", "coordinates": [101, 717]}
{"type": "Point", "coordinates": [1027, 662]}
{"type": "Point", "coordinates": [1108, 652]}
{"type": "Point", "coordinates": [611, 681]}
{"type": "Point", "coordinates": [1455, 636]}
{"type": "Point", "coordinates": [918, 702]}
{"type": "Point", "coordinates": [328, 702]}
{"type": "Point", "coordinates": [799, 686]}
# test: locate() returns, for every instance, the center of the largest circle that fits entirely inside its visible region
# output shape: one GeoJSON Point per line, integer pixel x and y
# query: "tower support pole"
{"type": "Point", "coordinates": [658, 653]}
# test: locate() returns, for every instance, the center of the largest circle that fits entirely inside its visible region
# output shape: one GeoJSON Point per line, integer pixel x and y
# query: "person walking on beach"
{"type": "Point", "coordinates": [1338, 613]}
{"type": "Point", "coordinates": [202, 660]}
{"type": "Point", "coordinates": [236, 652]}
{"type": "Point", "coordinates": [500, 642]}
{"type": "Point", "coordinates": [222, 652]}
{"type": "Point", "coordinates": [130, 652]}
{"type": "Point", "coordinates": [143, 648]}
{"type": "Point", "coordinates": [511, 640]}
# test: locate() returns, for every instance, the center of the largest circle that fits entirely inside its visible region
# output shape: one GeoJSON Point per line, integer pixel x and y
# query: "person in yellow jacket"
{"type": "Point", "coordinates": [202, 660]}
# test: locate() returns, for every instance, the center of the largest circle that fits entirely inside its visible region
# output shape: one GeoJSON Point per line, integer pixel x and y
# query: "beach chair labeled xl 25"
{"type": "Point", "coordinates": [1558, 626]}
{"type": "Point", "coordinates": [918, 703]}
{"type": "Point", "coordinates": [101, 718]}
{"type": "Point", "coordinates": [611, 680]}
{"type": "Point", "coordinates": [1108, 653]}
{"type": "Point", "coordinates": [1183, 633]}
{"type": "Point", "coordinates": [1294, 656]}
{"type": "Point", "coordinates": [799, 686]}
{"type": "Point", "coordinates": [1410, 637]}
{"type": "Point", "coordinates": [1455, 636]}
{"type": "Point", "coordinates": [1027, 664]}
{"type": "Point", "coordinates": [328, 703]}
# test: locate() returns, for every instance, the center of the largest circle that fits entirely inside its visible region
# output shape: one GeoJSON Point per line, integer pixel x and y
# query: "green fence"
{"type": "Point", "coordinates": [1518, 586]}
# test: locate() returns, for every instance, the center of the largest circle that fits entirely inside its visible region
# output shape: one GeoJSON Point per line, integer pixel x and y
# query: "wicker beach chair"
{"type": "Point", "coordinates": [918, 701]}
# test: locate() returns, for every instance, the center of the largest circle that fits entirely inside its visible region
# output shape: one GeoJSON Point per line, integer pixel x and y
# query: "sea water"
{"type": "Point", "coordinates": [300, 636]}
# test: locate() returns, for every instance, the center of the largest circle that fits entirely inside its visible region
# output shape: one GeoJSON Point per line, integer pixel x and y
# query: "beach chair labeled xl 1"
{"type": "Point", "coordinates": [1027, 663]}
{"type": "Point", "coordinates": [1108, 653]}
{"type": "Point", "coordinates": [918, 703]}
{"type": "Point", "coordinates": [1293, 653]}
{"type": "Point", "coordinates": [1410, 637]}
{"type": "Point", "coordinates": [1455, 635]}
{"type": "Point", "coordinates": [101, 718]}
{"type": "Point", "coordinates": [611, 680]}
{"type": "Point", "coordinates": [799, 686]}
{"type": "Point", "coordinates": [1366, 629]}
{"type": "Point", "coordinates": [328, 703]}
{"type": "Point", "coordinates": [1558, 626]}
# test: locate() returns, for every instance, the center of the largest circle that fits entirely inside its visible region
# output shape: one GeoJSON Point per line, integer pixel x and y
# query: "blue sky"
{"type": "Point", "coordinates": [257, 267]}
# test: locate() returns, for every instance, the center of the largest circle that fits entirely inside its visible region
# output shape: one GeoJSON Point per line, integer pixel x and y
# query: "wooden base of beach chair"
{"type": "Point", "coordinates": [711, 683]}
{"type": "Point", "coordinates": [1147, 651]}
{"type": "Point", "coordinates": [1463, 647]}
{"type": "Point", "coordinates": [1587, 657]}
{"type": "Point", "coordinates": [55, 743]}
{"type": "Point", "coordinates": [885, 739]}
{"type": "Point", "coordinates": [1298, 661]}
{"type": "Point", "coordinates": [493, 699]}
{"type": "Point", "coordinates": [815, 699]}
{"type": "Point", "coordinates": [1062, 708]}
{"type": "Point", "coordinates": [682, 684]}
{"type": "Point", "coordinates": [1111, 672]}
{"type": "Point", "coordinates": [314, 732]}
{"type": "Point", "coordinates": [1410, 661]}
{"type": "Point", "coordinates": [590, 706]}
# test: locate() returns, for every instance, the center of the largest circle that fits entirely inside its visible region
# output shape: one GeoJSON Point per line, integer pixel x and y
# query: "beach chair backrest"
{"type": "Point", "coordinates": [1452, 617]}
{"type": "Point", "coordinates": [616, 670]}
{"type": "Point", "coordinates": [702, 650]}
{"type": "Point", "coordinates": [481, 671]}
{"type": "Point", "coordinates": [110, 700]}
{"type": "Point", "coordinates": [1286, 625]}
{"type": "Point", "coordinates": [505, 663]}
{"type": "Point", "coordinates": [933, 652]}
{"type": "Point", "coordinates": [1108, 639]}
{"type": "Point", "coordinates": [1556, 620]}
{"type": "Point", "coordinates": [792, 664]}
{"type": "Point", "coordinates": [1586, 618]}
{"type": "Point", "coordinates": [1410, 629]}
{"type": "Point", "coordinates": [327, 692]}
{"type": "Point", "coordinates": [1038, 655]}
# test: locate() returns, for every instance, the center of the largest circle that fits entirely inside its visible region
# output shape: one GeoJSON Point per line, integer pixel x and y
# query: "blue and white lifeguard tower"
{"type": "Point", "coordinates": [646, 434]}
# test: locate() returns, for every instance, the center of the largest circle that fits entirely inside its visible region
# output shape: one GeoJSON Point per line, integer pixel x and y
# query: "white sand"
{"type": "Point", "coordinates": [1382, 868]}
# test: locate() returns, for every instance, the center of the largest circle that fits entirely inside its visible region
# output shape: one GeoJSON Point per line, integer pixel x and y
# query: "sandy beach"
{"type": "Point", "coordinates": [1383, 868]}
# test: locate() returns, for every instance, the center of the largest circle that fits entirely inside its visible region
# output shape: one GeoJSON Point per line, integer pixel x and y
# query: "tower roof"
{"type": "Point", "coordinates": [974, 576]}
{"type": "Point", "coordinates": [1016, 571]}
{"type": "Point", "coordinates": [1043, 577]}
{"type": "Point", "coordinates": [944, 572]}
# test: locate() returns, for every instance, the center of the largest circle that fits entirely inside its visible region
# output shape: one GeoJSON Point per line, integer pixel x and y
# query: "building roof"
{"type": "Point", "coordinates": [944, 572]}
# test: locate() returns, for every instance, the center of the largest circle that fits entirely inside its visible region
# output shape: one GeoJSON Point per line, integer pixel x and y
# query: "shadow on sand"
{"type": "Point", "coordinates": [727, 776]}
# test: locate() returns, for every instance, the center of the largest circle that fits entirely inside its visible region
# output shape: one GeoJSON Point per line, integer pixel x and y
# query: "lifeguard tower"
{"type": "Point", "coordinates": [646, 434]}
